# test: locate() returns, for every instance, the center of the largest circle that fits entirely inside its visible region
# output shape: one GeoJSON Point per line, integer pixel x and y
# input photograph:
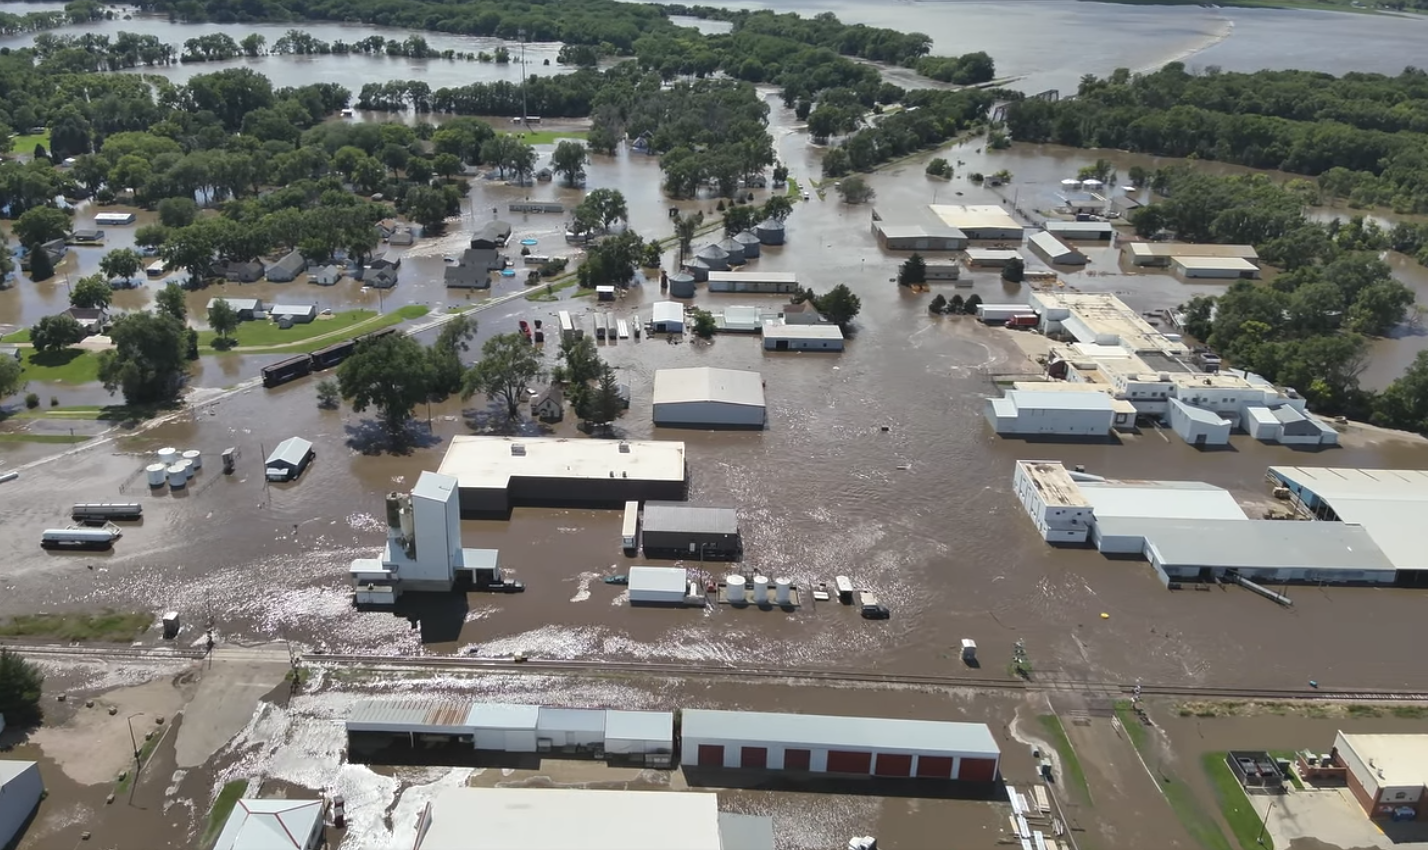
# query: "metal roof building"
{"type": "Point", "coordinates": [991, 256]}
{"type": "Point", "coordinates": [504, 727]}
{"type": "Point", "coordinates": [1272, 550]}
{"type": "Point", "coordinates": [1055, 251]}
{"type": "Point", "coordinates": [678, 530]}
{"type": "Point", "coordinates": [1389, 503]}
{"type": "Point", "coordinates": [667, 317]}
{"type": "Point", "coordinates": [570, 819]}
{"type": "Point", "coordinates": [979, 221]}
{"type": "Point", "coordinates": [289, 459]}
{"type": "Point", "coordinates": [638, 732]}
{"type": "Point", "coordinates": [705, 397]}
{"type": "Point", "coordinates": [864, 746]}
{"type": "Point", "coordinates": [658, 585]}
{"type": "Point", "coordinates": [21, 788]}
{"type": "Point", "coordinates": [1082, 230]}
{"type": "Point", "coordinates": [765, 282]}
{"type": "Point", "coordinates": [272, 825]}
{"type": "Point", "coordinates": [1161, 253]}
{"type": "Point", "coordinates": [779, 336]}
{"type": "Point", "coordinates": [410, 714]}
{"type": "Point", "coordinates": [1027, 412]}
{"type": "Point", "coordinates": [1196, 425]}
{"type": "Point", "coordinates": [1215, 267]}
{"type": "Point", "coordinates": [902, 229]}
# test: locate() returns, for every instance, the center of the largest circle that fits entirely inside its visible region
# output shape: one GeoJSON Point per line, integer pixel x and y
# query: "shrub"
{"type": "Point", "coordinates": [32, 400]}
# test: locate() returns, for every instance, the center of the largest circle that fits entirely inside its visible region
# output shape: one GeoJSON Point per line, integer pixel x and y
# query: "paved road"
{"type": "Point", "coordinates": [234, 680]}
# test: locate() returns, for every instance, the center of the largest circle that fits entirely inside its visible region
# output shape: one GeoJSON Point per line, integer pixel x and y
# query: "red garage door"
{"type": "Point", "coordinates": [977, 770]}
{"type": "Point", "coordinates": [711, 755]}
{"type": "Point", "coordinates": [890, 764]}
{"type": "Point", "coordinates": [840, 761]}
{"type": "Point", "coordinates": [796, 759]}
{"type": "Point", "coordinates": [754, 757]}
{"type": "Point", "coordinates": [934, 767]}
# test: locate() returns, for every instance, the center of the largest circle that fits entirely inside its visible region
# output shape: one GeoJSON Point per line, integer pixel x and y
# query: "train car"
{"type": "Point", "coordinates": [326, 358]}
{"type": "Point", "coordinates": [90, 539]}
{"type": "Point", "coordinates": [105, 511]}
{"type": "Point", "coordinates": [286, 370]}
{"type": "Point", "coordinates": [376, 335]}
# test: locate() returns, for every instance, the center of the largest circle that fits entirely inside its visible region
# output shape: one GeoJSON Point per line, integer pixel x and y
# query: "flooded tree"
{"type": "Point", "coordinates": [222, 318]}
{"type": "Point", "coordinates": [56, 333]}
{"type": "Point", "coordinates": [855, 190]}
{"type": "Point", "coordinates": [149, 358]}
{"type": "Point", "coordinates": [913, 272]}
{"type": "Point", "coordinates": [391, 374]}
{"type": "Point", "coordinates": [21, 685]}
{"type": "Point", "coordinates": [569, 161]}
{"type": "Point", "coordinates": [508, 366]}
{"type": "Point", "coordinates": [91, 291]}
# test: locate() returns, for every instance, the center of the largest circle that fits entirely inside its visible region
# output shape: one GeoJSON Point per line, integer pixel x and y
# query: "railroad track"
{"type": "Point", "coordinates": [103, 653]}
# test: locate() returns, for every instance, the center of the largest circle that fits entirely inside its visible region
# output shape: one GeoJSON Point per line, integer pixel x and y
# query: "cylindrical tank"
{"type": "Point", "coordinates": [734, 250]}
{"type": "Point", "coordinates": [187, 468]}
{"type": "Point", "coordinates": [157, 474]}
{"type": "Point", "coordinates": [761, 589]}
{"type": "Point", "coordinates": [769, 231]}
{"type": "Point", "coordinates": [783, 590]}
{"type": "Point", "coordinates": [698, 268]}
{"type": "Point", "coordinates": [681, 285]}
{"type": "Point", "coordinates": [178, 476]}
{"type": "Point", "coordinates": [750, 243]}
{"type": "Point", "coordinates": [194, 457]}
{"type": "Point", "coordinates": [168, 456]}
{"type": "Point", "coordinates": [715, 258]}
{"type": "Point", "coordinates": [734, 580]}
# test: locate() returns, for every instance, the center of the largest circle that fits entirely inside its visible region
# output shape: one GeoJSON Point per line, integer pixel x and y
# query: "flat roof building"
{"type": "Point", "coordinates": [1161, 253]}
{"type": "Point", "coordinates": [979, 221]}
{"type": "Point", "coordinates": [779, 336]}
{"type": "Point", "coordinates": [916, 229]}
{"type": "Point", "coordinates": [991, 257]}
{"type": "Point", "coordinates": [1387, 774]}
{"type": "Point", "coordinates": [1389, 503]}
{"type": "Point", "coordinates": [1095, 231]}
{"type": "Point", "coordinates": [1215, 267]}
{"type": "Point", "coordinates": [677, 530]}
{"type": "Point", "coordinates": [1265, 549]}
{"type": "Point", "coordinates": [705, 397]}
{"type": "Point", "coordinates": [497, 473]}
{"type": "Point", "coordinates": [1051, 498]}
{"type": "Point", "coordinates": [658, 585]}
{"type": "Point", "coordinates": [1027, 413]}
{"type": "Point", "coordinates": [1102, 319]}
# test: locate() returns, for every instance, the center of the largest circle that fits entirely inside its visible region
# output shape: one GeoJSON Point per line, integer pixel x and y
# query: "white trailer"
{"type": "Point", "coordinates": [629, 535]}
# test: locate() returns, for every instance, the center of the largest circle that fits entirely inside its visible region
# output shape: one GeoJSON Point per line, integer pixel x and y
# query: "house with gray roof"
{"type": "Point", "coordinates": [288, 268]}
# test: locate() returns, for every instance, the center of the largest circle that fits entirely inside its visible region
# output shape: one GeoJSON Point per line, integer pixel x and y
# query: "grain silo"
{"type": "Point", "coordinates": [681, 285]}
{"type": "Point", "coordinates": [770, 232]}
{"type": "Point", "coordinates": [750, 243]}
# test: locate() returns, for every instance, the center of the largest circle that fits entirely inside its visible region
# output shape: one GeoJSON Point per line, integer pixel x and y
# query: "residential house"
{"type": "Point", "coordinates": [474, 270]}
{"type": "Point", "coordinates": [56, 248]}
{"type": "Point", "coordinates": [250, 272]}
{"type": "Point", "coordinates": [288, 268]}
{"type": "Point", "coordinates": [328, 275]}
{"type": "Point", "coordinates": [493, 235]}
{"type": "Point", "coordinates": [94, 320]}
{"type": "Point", "coordinates": [548, 405]}
{"type": "Point", "coordinates": [380, 278]}
{"type": "Point", "coordinates": [293, 313]}
{"type": "Point", "coordinates": [802, 313]}
{"type": "Point", "coordinates": [402, 236]}
{"type": "Point", "coordinates": [86, 237]}
{"type": "Point", "coordinates": [246, 308]}
{"type": "Point", "coordinates": [389, 260]}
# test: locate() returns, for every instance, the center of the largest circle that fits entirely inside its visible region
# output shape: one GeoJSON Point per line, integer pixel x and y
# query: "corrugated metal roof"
{"type": "Point", "coordinates": [409, 714]}
{"type": "Point", "coordinates": [1052, 247]}
{"type": "Point", "coordinates": [676, 516]}
{"type": "Point", "coordinates": [1264, 544]}
{"type": "Point", "coordinates": [571, 720]}
{"type": "Point", "coordinates": [704, 383]}
{"type": "Point", "coordinates": [1160, 500]}
{"type": "Point", "coordinates": [1198, 414]}
{"type": "Point", "coordinates": [876, 734]}
{"type": "Point", "coordinates": [667, 311]}
{"type": "Point", "coordinates": [503, 715]}
{"type": "Point", "coordinates": [270, 825]}
{"type": "Point", "coordinates": [1387, 502]}
{"type": "Point", "coordinates": [293, 450]}
{"type": "Point", "coordinates": [639, 726]}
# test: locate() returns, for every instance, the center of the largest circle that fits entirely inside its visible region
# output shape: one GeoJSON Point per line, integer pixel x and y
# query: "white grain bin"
{"type": "Point", "coordinates": [761, 589]}
{"type": "Point", "coordinates": [734, 589]}
{"type": "Point", "coordinates": [734, 580]}
{"type": "Point", "coordinates": [783, 591]}
{"type": "Point", "coordinates": [178, 475]}
{"type": "Point", "coordinates": [168, 456]}
{"type": "Point", "coordinates": [157, 474]}
{"type": "Point", "coordinates": [187, 469]}
{"type": "Point", "coordinates": [194, 457]}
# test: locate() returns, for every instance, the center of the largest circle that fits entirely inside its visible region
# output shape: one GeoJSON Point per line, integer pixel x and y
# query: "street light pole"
{"type": "Point", "coordinates": [134, 744]}
{"type": "Point", "coordinates": [1264, 823]}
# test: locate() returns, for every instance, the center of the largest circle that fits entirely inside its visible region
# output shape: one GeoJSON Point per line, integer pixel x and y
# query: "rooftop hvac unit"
{"type": "Point", "coordinates": [518, 450]}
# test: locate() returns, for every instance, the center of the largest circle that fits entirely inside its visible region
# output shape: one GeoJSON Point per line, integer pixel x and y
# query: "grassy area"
{"type": "Point", "coordinates": [25, 144]}
{"type": "Point", "coordinates": [549, 137]}
{"type": "Point", "coordinates": [109, 626]}
{"type": "Point", "coordinates": [793, 190]}
{"type": "Point", "coordinates": [70, 366]}
{"type": "Point", "coordinates": [1125, 712]}
{"type": "Point", "coordinates": [304, 338]}
{"type": "Point", "coordinates": [146, 749]}
{"type": "Point", "coordinates": [1070, 764]}
{"type": "Point", "coordinates": [538, 293]}
{"type": "Point", "coordinates": [222, 807]}
{"type": "Point", "coordinates": [1200, 825]}
{"type": "Point", "coordinates": [1289, 755]}
{"type": "Point", "coordinates": [22, 335]}
{"type": "Point", "coordinates": [1238, 810]}
{"type": "Point", "coordinates": [91, 413]}
{"type": "Point", "coordinates": [26, 437]}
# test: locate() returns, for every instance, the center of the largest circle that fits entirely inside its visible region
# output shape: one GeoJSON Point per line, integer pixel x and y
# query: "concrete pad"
{"type": "Point", "coordinates": [1332, 817]}
{"type": "Point", "coordinates": [233, 682]}
{"type": "Point", "coordinates": [94, 746]}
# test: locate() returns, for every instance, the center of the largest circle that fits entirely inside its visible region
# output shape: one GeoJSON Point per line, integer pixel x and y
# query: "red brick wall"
{"type": "Point", "coordinates": [1360, 793]}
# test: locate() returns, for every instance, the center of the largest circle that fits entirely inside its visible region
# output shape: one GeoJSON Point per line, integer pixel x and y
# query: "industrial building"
{"type": "Point", "coordinates": [1081, 231]}
{"type": "Point", "coordinates": [288, 459]}
{"type": "Point", "coordinates": [980, 222]}
{"type": "Point", "coordinates": [21, 788]}
{"type": "Point", "coordinates": [1162, 253]}
{"type": "Point", "coordinates": [1220, 268]}
{"type": "Point", "coordinates": [780, 336]}
{"type": "Point", "coordinates": [943, 271]}
{"type": "Point", "coordinates": [854, 746]}
{"type": "Point", "coordinates": [1387, 774]}
{"type": "Point", "coordinates": [784, 283]}
{"type": "Point", "coordinates": [256, 824]}
{"type": "Point", "coordinates": [705, 397]}
{"type": "Point", "coordinates": [677, 530]}
{"type": "Point", "coordinates": [583, 819]}
{"type": "Point", "coordinates": [1197, 426]}
{"type": "Point", "coordinates": [1029, 413]}
{"type": "Point", "coordinates": [916, 230]}
{"type": "Point", "coordinates": [991, 257]}
{"type": "Point", "coordinates": [423, 550]}
{"type": "Point", "coordinates": [495, 474]}
{"type": "Point", "coordinates": [1055, 251]}
{"type": "Point", "coordinates": [1388, 503]}
{"type": "Point", "coordinates": [1288, 425]}
{"type": "Point", "coordinates": [667, 317]}
{"type": "Point", "coordinates": [663, 586]}
{"type": "Point", "coordinates": [1053, 501]}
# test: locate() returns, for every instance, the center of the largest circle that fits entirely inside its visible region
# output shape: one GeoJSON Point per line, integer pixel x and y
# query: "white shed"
{"type": "Point", "coordinates": [1055, 251]}
{"type": "Point", "coordinates": [1215, 267]}
{"type": "Point", "coordinates": [704, 397]}
{"type": "Point", "coordinates": [668, 317]}
{"type": "Point", "coordinates": [558, 728]}
{"type": "Point", "coordinates": [504, 727]}
{"type": "Point", "coordinates": [633, 733]}
{"type": "Point", "coordinates": [20, 790]}
{"type": "Point", "coordinates": [658, 585]}
{"type": "Point", "coordinates": [1197, 426]}
{"type": "Point", "coordinates": [1260, 422]}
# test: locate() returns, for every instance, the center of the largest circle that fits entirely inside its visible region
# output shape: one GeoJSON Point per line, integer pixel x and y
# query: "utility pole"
{"type": "Point", "coordinates": [525, 113]}
{"type": "Point", "coordinates": [1264, 823]}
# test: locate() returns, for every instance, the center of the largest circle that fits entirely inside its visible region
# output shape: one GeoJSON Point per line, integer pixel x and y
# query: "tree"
{"type": "Point", "coordinates": [956, 306]}
{"type": "Point", "coordinates": [41, 266]}
{"type": "Point", "coordinates": [913, 272]}
{"type": "Point", "coordinates": [445, 355]}
{"type": "Point", "coordinates": [938, 305]}
{"type": "Point", "coordinates": [1014, 271]}
{"type": "Point", "coordinates": [21, 686]}
{"type": "Point", "coordinates": [569, 161]}
{"type": "Point", "coordinates": [605, 403]}
{"type": "Point", "coordinates": [56, 333]}
{"type": "Point", "coordinates": [177, 212]}
{"type": "Point", "coordinates": [426, 206]}
{"type": "Point", "coordinates": [148, 360]}
{"type": "Point", "coordinates": [737, 219]}
{"type": "Point", "coordinates": [1138, 175]}
{"type": "Point", "coordinates": [190, 248]}
{"type": "Point", "coordinates": [1380, 307]}
{"type": "Point", "coordinates": [446, 164]}
{"type": "Point", "coordinates": [940, 167]}
{"type": "Point", "coordinates": [582, 361]}
{"type": "Point", "coordinates": [41, 225]}
{"type": "Point", "coordinates": [855, 190]}
{"type": "Point", "coordinates": [971, 304]}
{"type": "Point", "coordinates": [605, 206]}
{"type": "Point", "coordinates": [12, 376]}
{"type": "Point", "coordinates": [1404, 402]}
{"type": "Point", "coordinates": [704, 325]}
{"type": "Point", "coordinates": [170, 301]}
{"type": "Point", "coordinates": [611, 262]}
{"type": "Point", "coordinates": [222, 318]}
{"type": "Point", "coordinates": [328, 394]}
{"type": "Point", "coordinates": [91, 291]}
{"type": "Point", "coordinates": [780, 174]}
{"type": "Point", "coordinates": [150, 235]}
{"type": "Point", "coordinates": [685, 226]}
{"type": "Point", "coordinates": [839, 304]}
{"type": "Point", "coordinates": [123, 262]}
{"type": "Point", "coordinates": [391, 374]}
{"type": "Point", "coordinates": [778, 207]}
{"type": "Point", "coordinates": [506, 369]}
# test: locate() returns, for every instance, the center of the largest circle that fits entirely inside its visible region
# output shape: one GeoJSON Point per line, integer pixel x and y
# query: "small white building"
{"type": "Point", "coordinates": [658, 585]}
{"type": "Point", "coordinates": [272, 825]}
{"type": "Point", "coordinates": [294, 313]}
{"type": "Point", "coordinates": [938, 271]}
{"type": "Point", "coordinates": [992, 313]}
{"type": "Point", "coordinates": [1053, 500]}
{"type": "Point", "coordinates": [667, 317]}
{"type": "Point", "coordinates": [1286, 424]}
{"type": "Point", "coordinates": [288, 459]}
{"type": "Point", "coordinates": [328, 275]}
{"type": "Point", "coordinates": [504, 727]}
{"type": "Point", "coordinates": [639, 733]}
{"type": "Point", "coordinates": [570, 728]}
{"type": "Point", "coordinates": [704, 397]}
{"type": "Point", "coordinates": [799, 337]}
{"type": "Point", "coordinates": [1055, 251]}
{"type": "Point", "coordinates": [991, 257]}
{"type": "Point", "coordinates": [1197, 426]}
{"type": "Point", "coordinates": [21, 788]}
{"type": "Point", "coordinates": [1028, 412]}
{"type": "Point", "coordinates": [1219, 268]}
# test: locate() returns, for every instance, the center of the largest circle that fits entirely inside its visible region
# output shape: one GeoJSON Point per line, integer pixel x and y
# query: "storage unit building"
{"type": "Point", "coordinates": [800, 337]}
{"type": "Point", "coordinates": [1081, 231]}
{"type": "Point", "coordinates": [1197, 426]}
{"type": "Point", "coordinates": [658, 585]}
{"type": "Point", "coordinates": [295, 313]}
{"type": "Point", "coordinates": [1215, 267]}
{"type": "Point", "coordinates": [705, 397]}
{"type": "Point", "coordinates": [570, 728]}
{"type": "Point", "coordinates": [504, 727]}
{"type": "Point", "coordinates": [639, 733]}
{"type": "Point", "coordinates": [1055, 251]}
{"type": "Point", "coordinates": [764, 282]}
{"type": "Point", "coordinates": [1027, 412]}
{"type": "Point", "coordinates": [679, 530]}
{"type": "Point", "coordinates": [289, 459]}
{"type": "Point", "coordinates": [859, 746]}
{"type": "Point", "coordinates": [20, 790]}
{"type": "Point", "coordinates": [1161, 253]}
{"type": "Point", "coordinates": [667, 317]}
{"type": "Point", "coordinates": [991, 257]}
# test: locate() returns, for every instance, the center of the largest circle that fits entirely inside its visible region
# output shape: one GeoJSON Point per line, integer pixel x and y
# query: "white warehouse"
{"type": "Point", "coordinates": [704, 397]}
{"type": "Point", "coordinates": [1197, 426]}
{"type": "Point", "coordinates": [802, 337]}
{"type": "Point", "coordinates": [1028, 412]}
{"type": "Point", "coordinates": [662, 586]}
{"type": "Point", "coordinates": [1051, 498]}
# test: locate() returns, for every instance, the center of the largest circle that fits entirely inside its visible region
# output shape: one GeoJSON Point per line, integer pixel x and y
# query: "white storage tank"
{"type": "Point", "coordinates": [168, 456]}
{"type": "Point", "coordinates": [734, 580]}
{"type": "Point", "coordinates": [783, 590]}
{"type": "Point", "coordinates": [187, 469]}
{"type": "Point", "coordinates": [157, 474]}
{"type": "Point", "coordinates": [761, 589]}
{"type": "Point", "coordinates": [178, 476]}
{"type": "Point", "coordinates": [195, 458]}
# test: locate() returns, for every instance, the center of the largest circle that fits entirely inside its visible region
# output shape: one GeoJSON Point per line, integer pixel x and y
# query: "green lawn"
{"type": "Point", "coordinates": [109, 626]}
{"type": "Point", "coordinates": [1241, 813]}
{"type": "Point", "coordinates": [547, 137]}
{"type": "Point", "coordinates": [22, 335]}
{"type": "Point", "coordinates": [27, 437]}
{"type": "Point", "coordinates": [1125, 712]}
{"type": "Point", "coordinates": [26, 144]}
{"type": "Point", "coordinates": [222, 807]}
{"type": "Point", "coordinates": [301, 338]}
{"type": "Point", "coordinates": [1198, 822]}
{"type": "Point", "coordinates": [1070, 764]}
{"type": "Point", "coordinates": [146, 749]}
{"type": "Point", "coordinates": [90, 412]}
{"type": "Point", "coordinates": [793, 190]}
{"type": "Point", "coordinates": [70, 366]}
